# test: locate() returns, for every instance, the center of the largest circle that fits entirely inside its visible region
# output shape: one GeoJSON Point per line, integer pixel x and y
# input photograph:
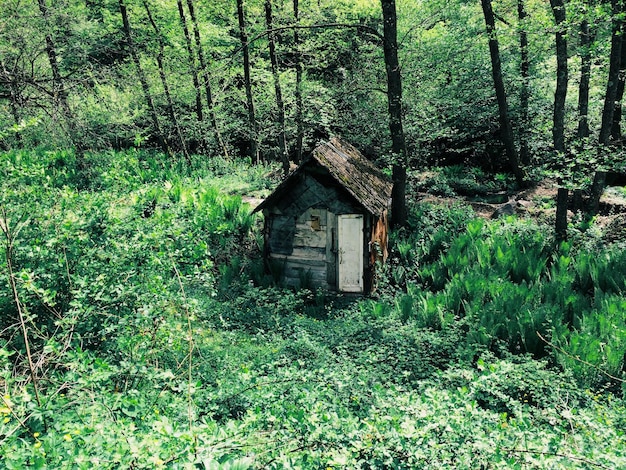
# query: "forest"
{"type": "Point", "coordinates": [141, 326]}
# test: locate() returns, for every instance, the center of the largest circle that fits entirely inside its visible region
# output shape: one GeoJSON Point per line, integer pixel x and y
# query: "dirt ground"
{"type": "Point", "coordinates": [539, 203]}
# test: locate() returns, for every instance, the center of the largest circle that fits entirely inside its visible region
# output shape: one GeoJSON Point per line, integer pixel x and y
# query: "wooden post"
{"type": "Point", "coordinates": [561, 214]}
{"type": "Point", "coordinates": [578, 200]}
{"type": "Point", "coordinates": [599, 181]}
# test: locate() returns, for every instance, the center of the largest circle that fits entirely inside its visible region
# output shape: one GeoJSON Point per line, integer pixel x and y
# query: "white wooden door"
{"type": "Point", "coordinates": [350, 253]}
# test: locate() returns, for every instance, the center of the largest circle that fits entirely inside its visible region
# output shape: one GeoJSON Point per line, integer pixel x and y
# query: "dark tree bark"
{"type": "Point", "coordinates": [558, 129]}
{"type": "Point", "coordinates": [142, 79]}
{"type": "Point", "coordinates": [206, 78]}
{"type": "Point", "coordinates": [8, 78]}
{"type": "Point", "coordinates": [166, 87]}
{"type": "Point", "coordinates": [614, 67]}
{"type": "Point", "coordinates": [586, 37]}
{"type": "Point", "coordinates": [561, 214]}
{"type": "Point", "coordinates": [616, 131]}
{"type": "Point", "coordinates": [298, 93]}
{"type": "Point", "coordinates": [525, 89]}
{"type": "Point", "coordinates": [597, 187]}
{"type": "Point", "coordinates": [280, 105]}
{"type": "Point", "coordinates": [192, 62]}
{"type": "Point", "coordinates": [394, 99]}
{"type": "Point", "coordinates": [599, 179]}
{"type": "Point", "coordinates": [503, 108]}
{"type": "Point", "coordinates": [243, 35]}
{"type": "Point", "coordinates": [59, 91]}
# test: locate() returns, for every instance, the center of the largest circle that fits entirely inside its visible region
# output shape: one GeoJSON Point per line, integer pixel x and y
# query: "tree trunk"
{"type": "Point", "coordinates": [585, 36]}
{"type": "Point", "coordinates": [282, 140]}
{"type": "Point", "coordinates": [558, 129]}
{"type": "Point", "coordinates": [243, 35]}
{"type": "Point", "coordinates": [597, 187]}
{"type": "Point", "coordinates": [142, 79]}
{"type": "Point", "coordinates": [599, 179]}
{"type": "Point", "coordinates": [59, 91]}
{"type": "Point", "coordinates": [503, 108]}
{"type": "Point", "coordinates": [192, 62]}
{"type": "Point", "coordinates": [616, 131]}
{"type": "Point", "coordinates": [525, 74]}
{"type": "Point", "coordinates": [613, 79]}
{"type": "Point", "coordinates": [166, 88]}
{"type": "Point", "coordinates": [204, 70]}
{"type": "Point", "coordinates": [561, 214]}
{"type": "Point", "coordinates": [14, 97]}
{"type": "Point", "coordinates": [394, 99]}
{"type": "Point", "coordinates": [299, 106]}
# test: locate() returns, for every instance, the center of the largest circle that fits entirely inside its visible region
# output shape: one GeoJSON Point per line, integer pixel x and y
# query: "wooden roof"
{"type": "Point", "coordinates": [349, 169]}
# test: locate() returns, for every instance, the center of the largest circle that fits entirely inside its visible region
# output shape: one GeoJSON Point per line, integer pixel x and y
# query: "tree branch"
{"type": "Point", "coordinates": [562, 351]}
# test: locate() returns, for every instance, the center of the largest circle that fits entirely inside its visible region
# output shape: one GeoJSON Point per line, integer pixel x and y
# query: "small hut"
{"type": "Point", "coordinates": [326, 223]}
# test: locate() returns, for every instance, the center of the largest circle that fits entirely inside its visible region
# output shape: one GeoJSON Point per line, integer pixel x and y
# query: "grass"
{"type": "Point", "coordinates": [161, 342]}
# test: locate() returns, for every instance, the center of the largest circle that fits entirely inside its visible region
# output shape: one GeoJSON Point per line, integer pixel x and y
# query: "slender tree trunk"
{"type": "Point", "coordinates": [192, 62]}
{"type": "Point", "coordinates": [394, 99]}
{"type": "Point", "coordinates": [14, 97]}
{"type": "Point", "coordinates": [597, 188]}
{"type": "Point", "coordinates": [59, 91]}
{"type": "Point", "coordinates": [166, 88]}
{"type": "Point", "coordinates": [599, 179]}
{"type": "Point", "coordinates": [614, 67]}
{"type": "Point", "coordinates": [561, 214]}
{"type": "Point", "coordinates": [525, 89]}
{"type": "Point", "coordinates": [142, 79]}
{"type": "Point", "coordinates": [585, 36]}
{"type": "Point", "coordinates": [10, 236]}
{"type": "Point", "coordinates": [243, 35]}
{"type": "Point", "coordinates": [616, 131]}
{"type": "Point", "coordinates": [204, 70]}
{"type": "Point", "coordinates": [496, 68]}
{"type": "Point", "coordinates": [558, 129]}
{"type": "Point", "coordinates": [299, 105]}
{"type": "Point", "coordinates": [280, 105]}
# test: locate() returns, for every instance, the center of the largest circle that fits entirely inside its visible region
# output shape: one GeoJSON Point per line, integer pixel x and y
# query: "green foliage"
{"type": "Point", "coordinates": [160, 341]}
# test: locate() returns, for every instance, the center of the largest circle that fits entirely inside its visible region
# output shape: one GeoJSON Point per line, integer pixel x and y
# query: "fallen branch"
{"type": "Point", "coordinates": [576, 358]}
{"type": "Point", "coordinates": [10, 236]}
{"type": "Point", "coordinates": [557, 454]}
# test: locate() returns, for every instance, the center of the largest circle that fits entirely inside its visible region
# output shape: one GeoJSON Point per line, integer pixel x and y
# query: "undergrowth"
{"type": "Point", "coordinates": [156, 338]}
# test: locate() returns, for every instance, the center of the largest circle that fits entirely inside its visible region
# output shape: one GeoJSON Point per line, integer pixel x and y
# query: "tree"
{"type": "Point", "coordinates": [204, 70]}
{"type": "Point", "coordinates": [558, 128]}
{"type": "Point", "coordinates": [298, 90]}
{"type": "Point", "coordinates": [243, 36]}
{"type": "Point", "coordinates": [191, 60]}
{"type": "Point", "coordinates": [522, 17]}
{"type": "Point", "coordinates": [394, 100]}
{"type": "Point", "coordinates": [610, 99]}
{"type": "Point", "coordinates": [142, 79]}
{"type": "Point", "coordinates": [9, 88]}
{"type": "Point", "coordinates": [280, 105]}
{"type": "Point", "coordinates": [59, 91]}
{"type": "Point", "coordinates": [506, 128]}
{"type": "Point", "coordinates": [586, 36]}
{"type": "Point", "coordinates": [166, 87]}
{"type": "Point", "coordinates": [614, 68]}
{"type": "Point", "coordinates": [616, 131]}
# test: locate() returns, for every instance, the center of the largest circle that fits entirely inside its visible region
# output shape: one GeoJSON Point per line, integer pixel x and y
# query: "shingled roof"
{"type": "Point", "coordinates": [351, 170]}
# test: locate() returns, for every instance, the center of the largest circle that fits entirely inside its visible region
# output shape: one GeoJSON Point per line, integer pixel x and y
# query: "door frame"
{"type": "Point", "coordinates": [347, 224]}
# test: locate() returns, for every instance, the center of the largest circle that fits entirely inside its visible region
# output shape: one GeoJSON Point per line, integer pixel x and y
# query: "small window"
{"type": "Point", "coordinates": [315, 222]}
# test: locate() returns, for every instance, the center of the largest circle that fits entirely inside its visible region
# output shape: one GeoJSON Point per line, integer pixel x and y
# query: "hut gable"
{"type": "Point", "coordinates": [349, 169]}
{"type": "Point", "coordinates": [364, 181]}
{"type": "Point", "coordinates": [326, 223]}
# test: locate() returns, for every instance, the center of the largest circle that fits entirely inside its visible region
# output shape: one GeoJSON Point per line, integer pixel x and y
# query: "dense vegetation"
{"type": "Point", "coordinates": [138, 326]}
{"type": "Point", "coordinates": [103, 74]}
{"type": "Point", "coordinates": [156, 338]}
